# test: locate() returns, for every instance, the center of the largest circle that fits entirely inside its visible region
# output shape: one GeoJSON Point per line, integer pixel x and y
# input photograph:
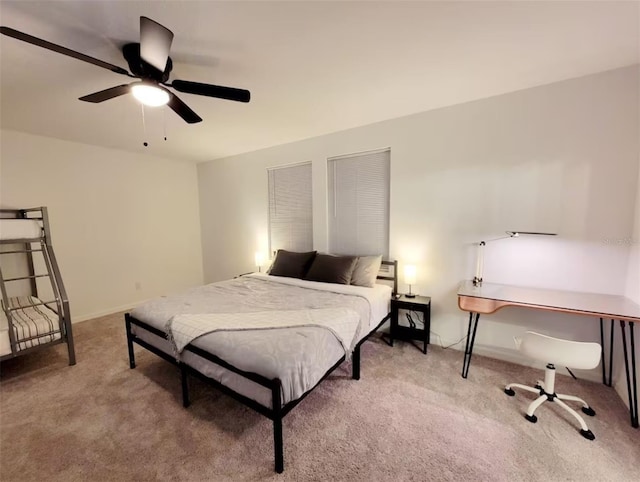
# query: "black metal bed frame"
{"type": "Point", "coordinates": [277, 411]}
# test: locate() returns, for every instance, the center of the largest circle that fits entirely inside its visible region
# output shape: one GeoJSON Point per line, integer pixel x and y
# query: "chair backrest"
{"type": "Point", "coordinates": [567, 353]}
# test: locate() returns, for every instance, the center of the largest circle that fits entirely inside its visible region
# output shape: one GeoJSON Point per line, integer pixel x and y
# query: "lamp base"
{"type": "Point", "coordinates": [410, 295]}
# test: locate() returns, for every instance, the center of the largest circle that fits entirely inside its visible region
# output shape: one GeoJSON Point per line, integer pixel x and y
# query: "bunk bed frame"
{"type": "Point", "coordinates": [277, 411]}
{"type": "Point", "coordinates": [59, 305]}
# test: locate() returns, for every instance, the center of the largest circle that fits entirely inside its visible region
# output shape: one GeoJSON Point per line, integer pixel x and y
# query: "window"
{"type": "Point", "coordinates": [359, 203]}
{"type": "Point", "coordinates": [290, 213]}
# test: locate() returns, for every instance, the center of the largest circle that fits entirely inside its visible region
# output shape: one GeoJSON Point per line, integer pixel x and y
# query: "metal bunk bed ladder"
{"type": "Point", "coordinates": [28, 314]}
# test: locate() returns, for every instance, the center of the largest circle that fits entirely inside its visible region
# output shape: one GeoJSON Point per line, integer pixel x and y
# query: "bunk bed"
{"type": "Point", "coordinates": [268, 370]}
{"type": "Point", "coordinates": [34, 315]}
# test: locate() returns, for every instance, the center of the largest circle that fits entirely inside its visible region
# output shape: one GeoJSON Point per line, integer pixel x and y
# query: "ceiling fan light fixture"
{"type": "Point", "coordinates": [150, 95]}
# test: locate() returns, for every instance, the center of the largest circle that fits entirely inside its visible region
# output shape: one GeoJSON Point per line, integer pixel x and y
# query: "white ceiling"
{"type": "Point", "coordinates": [312, 67]}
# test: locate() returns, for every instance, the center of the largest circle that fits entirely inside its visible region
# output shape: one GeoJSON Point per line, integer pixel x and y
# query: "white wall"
{"type": "Point", "coordinates": [633, 275]}
{"type": "Point", "coordinates": [118, 220]}
{"type": "Point", "coordinates": [560, 158]}
{"type": "Point", "coordinates": [633, 292]}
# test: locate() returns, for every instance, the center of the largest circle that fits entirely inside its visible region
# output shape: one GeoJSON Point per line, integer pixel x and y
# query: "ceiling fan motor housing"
{"type": "Point", "coordinates": [142, 69]}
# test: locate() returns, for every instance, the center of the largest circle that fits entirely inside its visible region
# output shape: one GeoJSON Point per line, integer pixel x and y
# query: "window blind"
{"type": "Point", "coordinates": [290, 208]}
{"type": "Point", "coordinates": [359, 203]}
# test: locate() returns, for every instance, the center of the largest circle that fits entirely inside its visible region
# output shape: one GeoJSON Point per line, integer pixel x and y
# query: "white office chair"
{"type": "Point", "coordinates": [554, 351]}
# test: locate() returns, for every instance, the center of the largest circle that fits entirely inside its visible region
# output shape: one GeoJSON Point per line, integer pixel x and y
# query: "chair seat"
{"type": "Point", "coordinates": [571, 354]}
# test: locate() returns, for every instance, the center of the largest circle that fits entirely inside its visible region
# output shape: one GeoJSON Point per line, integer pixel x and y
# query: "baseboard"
{"type": "Point", "coordinates": [110, 311]}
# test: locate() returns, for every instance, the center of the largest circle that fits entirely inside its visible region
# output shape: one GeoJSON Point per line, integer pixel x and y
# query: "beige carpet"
{"type": "Point", "coordinates": [410, 417]}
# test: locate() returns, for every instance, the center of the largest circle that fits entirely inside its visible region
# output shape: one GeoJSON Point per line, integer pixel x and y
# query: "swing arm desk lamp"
{"type": "Point", "coordinates": [477, 280]}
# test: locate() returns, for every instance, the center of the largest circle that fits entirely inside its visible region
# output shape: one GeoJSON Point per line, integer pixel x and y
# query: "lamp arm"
{"type": "Point", "coordinates": [479, 263]}
{"type": "Point", "coordinates": [496, 239]}
{"type": "Point", "coordinates": [477, 280]}
{"type": "Point", "coordinates": [480, 255]}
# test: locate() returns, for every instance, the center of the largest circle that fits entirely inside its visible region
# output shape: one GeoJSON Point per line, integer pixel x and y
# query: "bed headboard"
{"type": "Point", "coordinates": [389, 272]}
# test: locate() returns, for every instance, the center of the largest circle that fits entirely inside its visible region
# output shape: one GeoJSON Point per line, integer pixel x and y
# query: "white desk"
{"type": "Point", "coordinates": [487, 298]}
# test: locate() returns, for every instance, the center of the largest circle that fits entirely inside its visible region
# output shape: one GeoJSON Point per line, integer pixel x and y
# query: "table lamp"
{"type": "Point", "coordinates": [260, 260]}
{"type": "Point", "coordinates": [477, 280]}
{"type": "Point", "coordinates": [410, 278]}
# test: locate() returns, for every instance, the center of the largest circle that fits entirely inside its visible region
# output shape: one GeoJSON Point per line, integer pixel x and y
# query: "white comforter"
{"type": "Point", "coordinates": [298, 356]}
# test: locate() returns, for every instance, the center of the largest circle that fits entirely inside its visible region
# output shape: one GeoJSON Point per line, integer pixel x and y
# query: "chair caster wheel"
{"type": "Point", "coordinates": [510, 392]}
{"type": "Point", "coordinates": [588, 411]}
{"type": "Point", "coordinates": [588, 434]}
{"type": "Point", "coordinates": [531, 418]}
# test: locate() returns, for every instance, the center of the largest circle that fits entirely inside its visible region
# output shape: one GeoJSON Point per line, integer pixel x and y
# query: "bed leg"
{"type": "Point", "coordinates": [70, 347]}
{"type": "Point", "coordinates": [276, 402]}
{"type": "Point", "coordinates": [132, 358]}
{"type": "Point", "coordinates": [185, 386]}
{"type": "Point", "coordinates": [355, 363]}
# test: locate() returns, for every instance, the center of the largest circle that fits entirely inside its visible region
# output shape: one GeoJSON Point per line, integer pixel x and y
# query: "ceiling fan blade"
{"type": "Point", "coordinates": [228, 93]}
{"type": "Point", "coordinates": [183, 110]}
{"type": "Point", "coordinates": [107, 94]}
{"type": "Point", "coordinates": [61, 50]}
{"type": "Point", "coordinates": [155, 43]}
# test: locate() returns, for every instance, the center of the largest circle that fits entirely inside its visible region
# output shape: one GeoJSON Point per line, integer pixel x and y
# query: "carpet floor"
{"type": "Point", "coordinates": [410, 417]}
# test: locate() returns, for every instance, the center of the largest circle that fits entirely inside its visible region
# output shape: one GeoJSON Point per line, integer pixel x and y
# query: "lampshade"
{"type": "Point", "coordinates": [260, 258]}
{"type": "Point", "coordinates": [410, 274]}
{"type": "Point", "coordinates": [150, 95]}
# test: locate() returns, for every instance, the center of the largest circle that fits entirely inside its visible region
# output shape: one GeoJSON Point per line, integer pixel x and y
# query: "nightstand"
{"type": "Point", "coordinates": [419, 304]}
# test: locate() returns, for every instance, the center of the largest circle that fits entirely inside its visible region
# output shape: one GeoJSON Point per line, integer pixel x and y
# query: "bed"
{"type": "Point", "coordinates": [33, 324]}
{"type": "Point", "coordinates": [268, 368]}
{"type": "Point", "coordinates": [33, 315]}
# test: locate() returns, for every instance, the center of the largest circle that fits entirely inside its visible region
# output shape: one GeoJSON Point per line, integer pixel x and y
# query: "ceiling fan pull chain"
{"type": "Point", "coordinates": [164, 122]}
{"type": "Point", "coordinates": [144, 127]}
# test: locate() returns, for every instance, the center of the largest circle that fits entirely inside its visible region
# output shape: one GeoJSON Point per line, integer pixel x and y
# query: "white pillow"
{"type": "Point", "coordinates": [366, 271]}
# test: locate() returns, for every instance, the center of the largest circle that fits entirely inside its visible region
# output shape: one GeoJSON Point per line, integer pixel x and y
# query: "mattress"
{"type": "Point", "coordinates": [298, 356]}
{"type": "Point", "coordinates": [29, 321]}
{"type": "Point", "coordinates": [19, 229]}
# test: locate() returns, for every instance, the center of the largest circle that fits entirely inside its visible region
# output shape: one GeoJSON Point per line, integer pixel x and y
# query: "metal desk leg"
{"type": "Point", "coordinates": [604, 377]}
{"type": "Point", "coordinates": [634, 423]}
{"type": "Point", "coordinates": [611, 356]}
{"type": "Point", "coordinates": [632, 390]}
{"type": "Point", "coordinates": [603, 354]}
{"type": "Point", "coordinates": [471, 338]}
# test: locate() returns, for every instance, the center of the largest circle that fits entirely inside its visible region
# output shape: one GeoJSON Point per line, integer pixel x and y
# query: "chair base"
{"type": "Point", "coordinates": [544, 396]}
{"type": "Point", "coordinates": [588, 434]}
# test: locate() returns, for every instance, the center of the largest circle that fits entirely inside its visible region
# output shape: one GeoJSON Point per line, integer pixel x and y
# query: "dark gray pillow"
{"type": "Point", "coordinates": [332, 269]}
{"type": "Point", "coordinates": [291, 264]}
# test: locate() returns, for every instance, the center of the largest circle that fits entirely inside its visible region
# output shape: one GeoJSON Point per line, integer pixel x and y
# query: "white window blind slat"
{"type": "Point", "coordinates": [290, 208]}
{"type": "Point", "coordinates": [359, 204]}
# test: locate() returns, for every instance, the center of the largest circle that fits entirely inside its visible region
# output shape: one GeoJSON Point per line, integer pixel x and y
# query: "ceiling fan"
{"type": "Point", "coordinates": [148, 61]}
